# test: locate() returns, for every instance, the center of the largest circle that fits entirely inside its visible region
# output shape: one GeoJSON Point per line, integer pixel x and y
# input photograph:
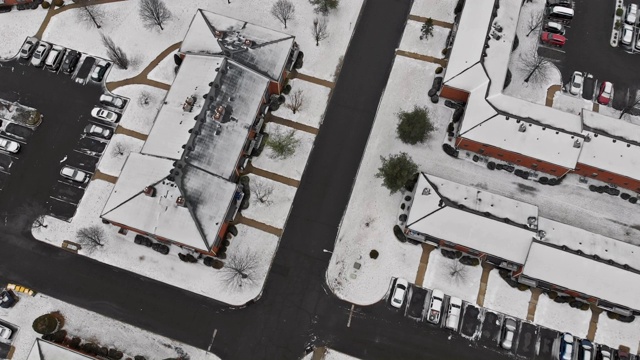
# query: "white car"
{"type": "Point", "coordinates": [112, 101]}
{"type": "Point", "coordinates": [507, 333]}
{"type": "Point", "coordinates": [453, 317]}
{"type": "Point", "coordinates": [627, 34]}
{"type": "Point", "coordinates": [435, 307]}
{"type": "Point", "coordinates": [40, 54]}
{"type": "Point", "coordinates": [576, 83]}
{"type": "Point", "coordinates": [102, 114]}
{"type": "Point", "coordinates": [9, 145]}
{"type": "Point", "coordinates": [98, 131]}
{"type": "Point", "coordinates": [5, 332]}
{"type": "Point", "coordinates": [632, 13]}
{"type": "Point", "coordinates": [74, 174]}
{"type": "Point", "coordinates": [28, 47]}
{"type": "Point", "coordinates": [399, 293]}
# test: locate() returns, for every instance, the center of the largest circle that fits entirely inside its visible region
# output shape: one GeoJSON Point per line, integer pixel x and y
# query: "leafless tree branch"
{"type": "Point", "coordinates": [283, 10]}
{"type": "Point", "coordinates": [154, 13]}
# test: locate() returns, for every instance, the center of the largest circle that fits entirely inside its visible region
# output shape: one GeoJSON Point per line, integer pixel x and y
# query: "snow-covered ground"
{"type": "Point", "coordinates": [274, 209]}
{"type": "Point", "coordinates": [92, 327]}
{"type": "Point", "coordinates": [315, 102]}
{"type": "Point", "coordinates": [503, 298]}
{"type": "Point", "coordinates": [615, 333]}
{"type": "Point", "coordinates": [122, 252]}
{"type": "Point", "coordinates": [328, 354]}
{"type": "Point", "coordinates": [116, 153]}
{"type": "Point", "coordinates": [15, 26]}
{"type": "Point", "coordinates": [465, 285]}
{"type": "Point", "coordinates": [144, 103]}
{"type": "Point", "coordinates": [165, 71]}
{"type": "Point", "coordinates": [562, 317]}
{"type": "Point", "coordinates": [123, 25]}
{"type": "Point", "coordinates": [436, 9]}
{"type": "Point", "coordinates": [431, 47]}
{"type": "Point", "coordinates": [571, 103]}
{"type": "Point", "coordinates": [293, 166]}
{"type": "Point", "coordinates": [532, 91]}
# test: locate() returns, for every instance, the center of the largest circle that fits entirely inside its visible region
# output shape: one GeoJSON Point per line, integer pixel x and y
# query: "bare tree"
{"type": "Point", "coordinates": [28, 216]}
{"type": "Point", "coordinates": [324, 6]}
{"type": "Point", "coordinates": [535, 20]}
{"type": "Point", "coordinates": [91, 237]}
{"type": "Point", "coordinates": [457, 271]}
{"type": "Point", "coordinates": [427, 29]}
{"type": "Point", "coordinates": [154, 13]}
{"type": "Point", "coordinates": [145, 98]}
{"type": "Point", "coordinates": [296, 101]}
{"type": "Point", "coordinates": [262, 192]}
{"type": "Point", "coordinates": [90, 14]}
{"type": "Point", "coordinates": [120, 149]}
{"type": "Point", "coordinates": [630, 104]}
{"type": "Point", "coordinates": [283, 10]}
{"type": "Point", "coordinates": [536, 66]}
{"type": "Point", "coordinates": [115, 53]}
{"type": "Point", "coordinates": [319, 30]}
{"type": "Point", "coordinates": [240, 271]}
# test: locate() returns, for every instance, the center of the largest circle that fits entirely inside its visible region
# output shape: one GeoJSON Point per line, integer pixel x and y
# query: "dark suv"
{"type": "Point", "coordinates": [70, 61]}
{"type": "Point", "coordinates": [7, 299]}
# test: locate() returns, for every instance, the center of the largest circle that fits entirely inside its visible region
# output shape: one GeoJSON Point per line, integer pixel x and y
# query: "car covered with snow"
{"type": "Point", "coordinates": [7, 298]}
{"type": "Point", "coordinates": [566, 347]}
{"type": "Point", "coordinates": [508, 331]}
{"type": "Point", "coordinates": [99, 70]}
{"type": "Point", "coordinates": [112, 101]}
{"type": "Point", "coordinates": [604, 352]}
{"type": "Point", "coordinates": [632, 14]}
{"type": "Point", "coordinates": [585, 350]}
{"type": "Point", "coordinates": [453, 315]}
{"type": "Point", "coordinates": [399, 293]}
{"type": "Point", "coordinates": [99, 131]}
{"type": "Point", "coordinates": [554, 27]}
{"type": "Point", "coordinates": [5, 332]}
{"type": "Point", "coordinates": [9, 145]}
{"type": "Point", "coordinates": [627, 34]}
{"type": "Point", "coordinates": [28, 47]}
{"type": "Point", "coordinates": [74, 174]}
{"type": "Point", "coordinates": [435, 306]}
{"type": "Point", "coordinates": [103, 114]}
{"type": "Point", "coordinates": [40, 54]}
{"type": "Point", "coordinates": [576, 83]}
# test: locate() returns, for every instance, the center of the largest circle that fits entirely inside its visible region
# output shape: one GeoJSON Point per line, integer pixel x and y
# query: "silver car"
{"type": "Point", "coordinates": [28, 47]}
{"type": "Point", "coordinates": [103, 114]}
{"type": "Point", "coordinates": [112, 101]}
{"type": "Point", "coordinates": [41, 54]}
{"type": "Point", "coordinates": [9, 145]}
{"type": "Point", "coordinates": [5, 332]}
{"type": "Point", "coordinates": [98, 131]}
{"type": "Point", "coordinates": [507, 333]}
{"type": "Point", "coordinates": [74, 174]}
{"type": "Point", "coordinates": [576, 83]}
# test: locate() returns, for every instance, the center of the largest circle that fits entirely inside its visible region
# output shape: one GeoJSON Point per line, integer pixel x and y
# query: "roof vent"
{"type": "Point", "coordinates": [180, 201]}
{"type": "Point", "coordinates": [576, 144]}
{"type": "Point", "coordinates": [522, 128]}
{"type": "Point", "coordinates": [150, 191]}
{"type": "Point", "coordinates": [248, 43]}
{"type": "Point", "coordinates": [218, 34]}
{"type": "Point", "coordinates": [219, 112]}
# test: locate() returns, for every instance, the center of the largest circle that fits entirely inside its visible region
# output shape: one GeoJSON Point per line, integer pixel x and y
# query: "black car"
{"type": "Point", "coordinates": [7, 299]}
{"type": "Point", "coordinates": [99, 71]}
{"type": "Point", "coordinates": [70, 61]}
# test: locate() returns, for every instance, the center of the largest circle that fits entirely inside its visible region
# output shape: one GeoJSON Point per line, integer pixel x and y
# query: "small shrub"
{"type": "Point", "coordinates": [612, 315]}
{"type": "Point", "coordinates": [523, 287]}
{"type": "Point", "coordinates": [445, 51]}
{"type": "Point", "coordinates": [104, 351]}
{"type": "Point", "coordinates": [115, 354]}
{"type": "Point", "coordinates": [287, 89]}
{"type": "Point", "coordinates": [397, 231]}
{"type": "Point", "coordinates": [75, 343]}
{"type": "Point", "coordinates": [374, 254]}
{"type": "Point", "coordinates": [217, 264]}
{"type": "Point", "coordinates": [46, 324]}
{"type": "Point", "coordinates": [439, 69]}
{"type": "Point", "coordinates": [244, 180]}
{"type": "Point", "coordinates": [139, 357]}
{"type": "Point", "coordinates": [414, 126]}
{"type": "Point", "coordinates": [618, 24]}
{"type": "Point", "coordinates": [45, 5]}
{"type": "Point", "coordinates": [552, 294]}
{"type": "Point", "coordinates": [58, 2]}
{"type": "Point", "coordinates": [283, 145]}
{"type": "Point", "coordinates": [619, 12]}
{"type": "Point", "coordinates": [59, 336]}
{"type": "Point", "coordinates": [233, 230]}
{"type": "Point", "coordinates": [90, 348]}
{"type": "Point", "coordinates": [584, 307]}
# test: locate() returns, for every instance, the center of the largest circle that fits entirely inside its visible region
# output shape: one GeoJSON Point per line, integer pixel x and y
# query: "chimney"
{"type": "Point", "coordinates": [248, 43]}
{"type": "Point", "coordinates": [218, 34]}
{"type": "Point", "coordinates": [576, 144]}
{"type": "Point", "coordinates": [522, 128]}
{"type": "Point", "coordinates": [150, 191]}
{"type": "Point", "coordinates": [180, 201]}
{"type": "Point", "coordinates": [219, 112]}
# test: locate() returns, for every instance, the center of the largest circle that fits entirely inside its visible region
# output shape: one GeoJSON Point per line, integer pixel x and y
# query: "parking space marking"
{"type": "Point", "coordinates": [86, 153]}
{"type": "Point", "coordinates": [6, 153]}
{"type": "Point", "coordinates": [64, 201]}
{"type": "Point", "coordinates": [553, 48]}
{"type": "Point", "coordinates": [350, 315]}
{"type": "Point", "coordinates": [73, 185]}
{"type": "Point", "coordinates": [4, 172]}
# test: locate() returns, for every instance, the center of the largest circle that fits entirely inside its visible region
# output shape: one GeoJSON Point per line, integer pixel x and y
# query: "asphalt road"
{"type": "Point", "coordinates": [296, 310]}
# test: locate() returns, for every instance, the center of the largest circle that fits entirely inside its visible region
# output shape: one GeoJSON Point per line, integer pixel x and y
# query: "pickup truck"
{"type": "Point", "coordinates": [435, 307]}
{"type": "Point", "coordinates": [453, 317]}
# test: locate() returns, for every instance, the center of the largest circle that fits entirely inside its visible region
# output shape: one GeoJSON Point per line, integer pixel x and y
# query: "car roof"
{"type": "Point", "coordinates": [437, 293]}
{"type": "Point", "coordinates": [455, 301]}
{"type": "Point", "coordinates": [608, 85]}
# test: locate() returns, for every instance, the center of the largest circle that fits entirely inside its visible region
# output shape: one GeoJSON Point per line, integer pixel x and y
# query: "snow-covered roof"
{"type": "Point", "coordinates": [496, 63]}
{"type": "Point", "coordinates": [45, 350]}
{"type": "Point", "coordinates": [470, 37]}
{"type": "Point", "coordinates": [583, 274]}
{"type": "Point", "coordinates": [612, 155]}
{"type": "Point", "coordinates": [589, 243]}
{"type": "Point", "coordinates": [611, 126]}
{"type": "Point", "coordinates": [469, 80]}
{"type": "Point", "coordinates": [431, 215]}
{"type": "Point", "coordinates": [545, 115]}
{"type": "Point", "coordinates": [535, 141]}
{"type": "Point", "coordinates": [264, 50]}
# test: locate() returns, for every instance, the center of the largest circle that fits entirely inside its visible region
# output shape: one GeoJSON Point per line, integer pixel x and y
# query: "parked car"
{"type": "Point", "coordinates": [566, 346]}
{"type": "Point", "coordinates": [99, 70]}
{"type": "Point", "coordinates": [563, 3]}
{"type": "Point", "coordinates": [585, 350]}
{"type": "Point", "coordinates": [435, 307]}
{"type": "Point", "coordinates": [604, 352]}
{"type": "Point", "coordinates": [102, 114]}
{"type": "Point", "coordinates": [7, 299]}
{"type": "Point", "coordinates": [74, 174]}
{"type": "Point", "coordinates": [40, 54]}
{"type": "Point", "coordinates": [5, 332]}
{"type": "Point", "coordinates": [553, 39]}
{"type": "Point", "coordinates": [98, 131]}
{"type": "Point", "coordinates": [606, 93]}
{"type": "Point", "coordinates": [70, 61]}
{"type": "Point", "coordinates": [576, 83]}
{"type": "Point", "coordinates": [560, 14]}
{"type": "Point", "coordinates": [399, 293]}
{"type": "Point", "coordinates": [621, 354]}
{"type": "Point", "coordinates": [554, 27]}
{"type": "Point", "coordinates": [632, 13]}
{"type": "Point", "coordinates": [28, 47]}
{"type": "Point", "coordinates": [9, 145]}
{"type": "Point", "coordinates": [112, 101]}
{"type": "Point", "coordinates": [638, 44]}
{"type": "Point", "coordinates": [55, 58]}
{"type": "Point", "coordinates": [588, 87]}
{"type": "Point", "coordinates": [453, 316]}
{"type": "Point", "coordinates": [627, 34]}
{"type": "Point", "coordinates": [508, 332]}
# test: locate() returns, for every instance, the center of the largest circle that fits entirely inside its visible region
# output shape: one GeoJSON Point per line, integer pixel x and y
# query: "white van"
{"type": "Point", "coordinates": [453, 316]}
{"type": "Point", "coordinates": [560, 13]}
{"type": "Point", "coordinates": [55, 58]}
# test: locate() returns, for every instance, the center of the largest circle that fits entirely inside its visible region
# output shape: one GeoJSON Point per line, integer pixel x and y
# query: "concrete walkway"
{"type": "Point", "coordinates": [134, 134]}
{"type": "Point", "coordinates": [441, 62]}
{"type": "Point", "coordinates": [593, 324]}
{"type": "Point", "coordinates": [422, 19]}
{"type": "Point", "coordinates": [533, 303]}
{"type": "Point", "coordinates": [292, 124]}
{"type": "Point", "coordinates": [484, 279]}
{"type": "Point", "coordinates": [257, 224]}
{"type": "Point", "coordinates": [105, 177]}
{"type": "Point", "coordinates": [424, 262]}
{"type": "Point", "coordinates": [296, 75]}
{"type": "Point", "coordinates": [551, 93]}
{"type": "Point", "coordinates": [250, 169]}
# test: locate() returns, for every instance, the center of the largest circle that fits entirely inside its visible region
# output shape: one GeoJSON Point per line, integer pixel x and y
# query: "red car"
{"type": "Point", "coordinates": [606, 93]}
{"type": "Point", "coordinates": [553, 39]}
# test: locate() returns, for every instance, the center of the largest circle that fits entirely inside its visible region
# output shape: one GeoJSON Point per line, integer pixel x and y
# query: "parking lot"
{"type": "Point", "coordinates": [588, 50]}
{"type": "Point", "coordinates": [65, 102]}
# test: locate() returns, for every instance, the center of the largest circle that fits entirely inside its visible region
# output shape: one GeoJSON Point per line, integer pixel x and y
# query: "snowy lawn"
{"type": "Point", "coordinates": [315, 102]}
{"type": "Point", "coordinates": [464, 284]}
{"type": "Point", "coordinates": [570, 103]}
{"type": "Point", "coordinates": [533, 91]}
{"type": "Point", "coordinates": [15, 26]}
{"type": "Point", "coordinates": [90, 326]}
{"type": "Point", "coordinates": [431, 47]}
{"type": "Point", "coordinates": [125, 254]}
{"type": "Point", "coordinates": [144, 103]}
{"type": "Point", "coordinates": [503, 298]}
{"type": "Point", "coordinates": [291, 167]}
{"type": "Point", "coordinates": [328, 354]}
{"type": "Point", "coordinates": [615, 333]}
{"type": "Point", "coordinates": [123, 25]}
{"type": "Point", "coordinates": [273, 209]}
{"type": "Point", "coordinates": [165, 71]}
{"type": "Point", "coordinates": [562, 317]}
{"type": "Point", "coordinates": [436, 9]}
{"type": "Point", "coordinates": [117, 152]}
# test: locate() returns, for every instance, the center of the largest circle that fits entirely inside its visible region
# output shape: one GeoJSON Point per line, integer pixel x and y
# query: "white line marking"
{"type": "Point", "coordinates": [213, 337]}
{"type": "Point", "coordinates": [350, 315]}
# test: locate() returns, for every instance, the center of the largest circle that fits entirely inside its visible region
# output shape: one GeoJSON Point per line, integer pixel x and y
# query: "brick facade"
{"type": "Point", "coordinates": [607, 176]}
{"type": "Point", "coordinates": [454, 94]}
